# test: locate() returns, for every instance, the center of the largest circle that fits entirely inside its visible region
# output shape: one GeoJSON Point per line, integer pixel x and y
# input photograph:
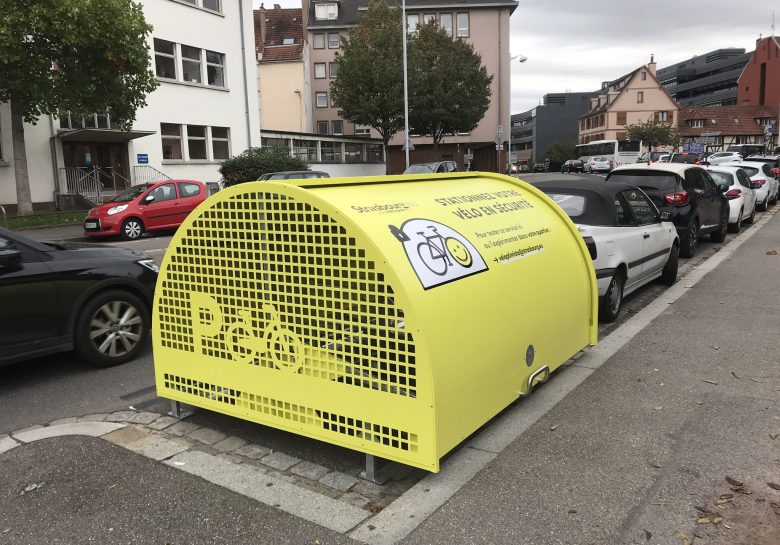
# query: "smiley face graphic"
{"type": "Point", "coordinates": [459, 252]}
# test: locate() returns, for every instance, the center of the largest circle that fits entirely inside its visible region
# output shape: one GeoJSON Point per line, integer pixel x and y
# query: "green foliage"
{"type": "Point", "coordinates": [254, 162]}
{"type": "Point", "coordinates": [449, 88]}
{"type": "Point", "coordinates": [654, 131]}
{"type": "Point", "coordinates": [369, 87]}
{"type": "Point", "coordinates": [84, 56]}
{"type": "Point", "coordinates": [562, 150]}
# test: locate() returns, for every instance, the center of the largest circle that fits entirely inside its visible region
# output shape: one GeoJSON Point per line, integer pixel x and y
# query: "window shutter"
{"type": "Point", "coordinates": [621, 118]}
{"type": "Point", "coordinates": [655, 117]}
{"type": "Point", "coordinates": [670, 117]}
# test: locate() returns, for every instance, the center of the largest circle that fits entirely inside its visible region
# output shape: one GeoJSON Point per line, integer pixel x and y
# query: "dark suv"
{"type": "Point", "coordinates": [687, 194]}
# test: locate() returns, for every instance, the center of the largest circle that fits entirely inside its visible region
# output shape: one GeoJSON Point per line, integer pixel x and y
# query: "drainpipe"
{"type": "Point", "coordinates": [243, 65]}
{"type": "Point", "coordinates": [500, 141]}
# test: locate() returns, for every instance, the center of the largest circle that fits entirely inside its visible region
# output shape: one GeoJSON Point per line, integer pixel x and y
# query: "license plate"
{"type": "Point", "coordinates": [90, 224]}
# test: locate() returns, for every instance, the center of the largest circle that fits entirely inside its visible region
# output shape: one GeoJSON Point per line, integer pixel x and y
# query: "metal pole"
{"type": "Point", "coordinates": [406, 89]}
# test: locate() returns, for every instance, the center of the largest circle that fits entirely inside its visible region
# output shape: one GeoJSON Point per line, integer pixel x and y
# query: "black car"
{"type": "Point", "coordinates": [540, 167]}
{"type": "Point", "coordinates": [59, 296]}
{"type": "Point", "coordinates": [572, 165]}
{"type": "Point", "coordinates": [686, 157]}
{"type": "Point", "coordinates": [685, 194]}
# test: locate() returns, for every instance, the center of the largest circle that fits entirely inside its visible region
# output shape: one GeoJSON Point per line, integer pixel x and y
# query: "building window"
{"type": "Point", "coordinates": [362, 130]}
{"type": "Point", "coordinates": [412, 22]}
{"type": "Point", "coordinates": [334, 69]}
{"type": "Point", "coordinates": [445, 22]}
{"type": "Point", "coordinates": [165, 59]}
{"type": "Point", "coordinates": [696, 123]}
{"type": "Point", "coordinates": [334, 40]}
{"type": "Point", "coordinates": [373, 153]}
{"type": "Point", "coordinates": [330, 152]}
{"type": "Point", "coordinates": [621, 118]}
{"type": "Point", "coordinates": [220, 143]}
{"type": "Point", "coordinates": [428, 17]}
{"type": "Point", "coordinates": [324, 12]}
{"type": "Point", "coordinates": [190, 64]}
{"type": "Point", "coordinates": [196, 142]}
{"type": "Point", "coordinates": [353, 153]}
{"type": "Point", "coordinates": [319, 41]}
{"type": "Point", "coordinates": [215, 69]}
{"type": "Point", "coordinates": [322, 100]}
{"type": "Point", "coordinates": [463, 25]}
{"type": "Point", "coordinates": [275, 142]}
{"type": "Point", "coordinates": [171, 141]}
{"type": "Point", "coordinates": [643, 76]}
{"type": "Point", "coordinates": [322, 127]}
{"type": "Point", "coordinates": [319, 70]}
{"type": "Point", "coordinates": [640, 97]}
{"type": "Point", "coordinates": [213, 5]}
{"type": "Point", "coordinates": [306, 150]}
{"type": "Point", "coordinates": [663, 117]}
{"type": "Point", "coordinates": [338, 128]}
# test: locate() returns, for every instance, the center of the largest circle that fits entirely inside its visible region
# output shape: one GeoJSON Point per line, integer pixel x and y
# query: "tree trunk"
{"type": "Point", "coordinates": [23, 198]}
{"type": "Point", "coordinates": [387, 157]}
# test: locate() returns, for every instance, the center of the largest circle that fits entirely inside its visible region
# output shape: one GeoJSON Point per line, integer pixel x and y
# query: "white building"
{"type": "Point", "coordinates": [204, 110]}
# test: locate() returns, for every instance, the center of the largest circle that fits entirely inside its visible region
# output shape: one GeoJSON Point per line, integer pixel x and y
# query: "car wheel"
{"type": "Point", "coordinates": [112, 328]}
{"type": "Point", "coordinates": [764, 205]}
{"type": "Point", "coordinates": [132, 229]}
{"type": "Point", "coordinates": [736, 226]}
{"type": "Point", "coordinates": [669, 274]}
{"type": "Point", "coordinates": [752, 216]}
{"type": "Point", "coordinates": [612, 301]}
{"type": "Point", "coordinates": [690, 241]}
{"type": "Point", "coordinates": [720, 234]}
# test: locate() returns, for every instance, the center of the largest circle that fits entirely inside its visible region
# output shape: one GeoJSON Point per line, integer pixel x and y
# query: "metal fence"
{"type": "Point", "coordinates": [93, 183]}
{"type": "Point", "coordinates": [143, 174]}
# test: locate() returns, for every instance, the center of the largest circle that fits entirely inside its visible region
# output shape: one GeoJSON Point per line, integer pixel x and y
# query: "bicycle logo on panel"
{"type": "Point", "coordinates": [438, 253]}
{"type": "Point", "coordinates": [279, 344]}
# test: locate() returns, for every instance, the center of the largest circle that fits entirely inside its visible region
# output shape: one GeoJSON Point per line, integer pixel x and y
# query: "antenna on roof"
{"type": "Point", "coordinates": [652, 58]}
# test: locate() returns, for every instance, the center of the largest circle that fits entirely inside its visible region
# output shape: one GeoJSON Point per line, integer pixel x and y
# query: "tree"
{"type": "Point", "coordinates": [449, 88]}
{"type": "Point", "coordinates": [254, 162]}
{"type": "Point", "coordinates": [368, 89]}
{"type": "Point", "coordinates": [562, 150]}
{"type": "Point", "coordinates": [84, 56]}
{"type": "Point", "coordinates": [653, 130]}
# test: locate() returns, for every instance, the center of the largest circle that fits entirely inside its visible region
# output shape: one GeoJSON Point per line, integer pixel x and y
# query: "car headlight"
{"type": "Point", "coordinates": [149, 264]}
{"type": "Point", "coordinates": [116, 209]}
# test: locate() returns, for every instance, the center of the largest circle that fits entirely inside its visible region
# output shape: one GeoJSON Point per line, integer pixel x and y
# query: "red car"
{"type": "Point", "coordinates": [147, 207]}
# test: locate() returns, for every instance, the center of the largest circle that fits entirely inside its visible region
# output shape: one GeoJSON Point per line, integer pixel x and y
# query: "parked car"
{"type": "Point", "coordinates": [56, 297]}
{"type": "Point", "coordinates": [629, 242]}
{"type": "Point", "coordinates": [432, 168]}
{"type": "Point", "coordinates": [686, 157]}
{"type": "Point", "coordinates": [599, 164]}
{"type": "Point", "coordinates": [523, 168]}
{"type": "Point", "coordinates": [739, 190]}
{"type": "Point", "coordinates": [293, 175]}
{"type": "Point", "coordinates": [540, 167]}
{"type": "Point", "coordinates": [572, 165]}
{"type": "Point", "coordinates": [652, 156]}
{"type": "Point", "coordinates": [722, 157]}
{"type": "Point", "coordinates": [157, 206]}
{"type": "Point", "coordinates": [772, 160]}
{"type": "Point", "coordinates": [686, 194]}
{"type": "Point", "coordinates": [761, 173]}
{"type": "Point", "coordinates": [747, 149]}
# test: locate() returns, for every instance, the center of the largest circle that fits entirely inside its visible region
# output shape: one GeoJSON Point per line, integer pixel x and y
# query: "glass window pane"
{"type": "Point", "coordinates": [212, 4]}
{"type": "Point", "coordinates": [165, 192]}
{"type": "Point", "coordinates": [188, 190]}
{"type": "Point", "coordinates": [165, 67]}
{"type": "Point", "coordinates": [190, 71]}
{"type": "Point", "coordinates": [221, 149]}
{"type": "Point", "coordinates": [171, 148]}
{"type": "Point", "coordinates": [322, 127]}
{"type": "Point", "coordinates": [334, 69]}
{"type": "Point", "coordinates": [102, 120]}
{"type": "Point", "coordinates": [189, 52]}
{"type": "Point", "coordinates": [170, 129]}
{"type": "Point", "coordinates": [334, 40]}
{"type": "Point", "coordinates": [215, 75]}
{"type": "Point", "coordinates": [330, 152]}
{"type": "Point", "coordinates": [319, 70]}
{"type": "Point", "coordinates": [215, 58]}
{"type": "Point", "coordinates": [219, 132]}
{"type": "Point", "coordinates": [163, 46]}
{"type": "Point", "coordinates": [463, 25]}
{"type": "Point", "coordinates": [322, 100]}
{"type": "Point", "coordinates": [338, 127]}
{"type": "Point", "coordinates": [196, 131]}
{"type": "Point", "coordinates": [353, 153]}
{"type": "Point", "coordinates": [412, 22]}
{"type": "Point", "coordinates": [319, 41]}
{"type": "Point", "coordinates": [197, 149]}
{"type": "Point", "coordinates": [445, 21]}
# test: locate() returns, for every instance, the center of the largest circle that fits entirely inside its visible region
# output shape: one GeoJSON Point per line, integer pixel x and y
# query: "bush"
{"type": "Point", "coordinates": [254, 162]}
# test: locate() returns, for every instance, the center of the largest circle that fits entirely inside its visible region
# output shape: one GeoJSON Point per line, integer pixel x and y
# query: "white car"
{"type": "Point", "coordinates": [739, 189]}
{"type": "Point", "coordinates": [762, 173]}
{"type": "Point", "coordinates": [598, 164]}
{"type": "Point", "coordinates": [723, 157]}
{"type": "Point", "coordinates": [629, 242]}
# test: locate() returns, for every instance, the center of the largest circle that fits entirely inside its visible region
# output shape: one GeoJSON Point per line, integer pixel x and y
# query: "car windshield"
{"type": "Point", "coordinates": [131, 193]}
{"type": "Point", "coordinates": [418, 169]}
{"type": "Point", "coordinates": [722, 178]}
{"type": "Point", "coordinates": [646, 179]}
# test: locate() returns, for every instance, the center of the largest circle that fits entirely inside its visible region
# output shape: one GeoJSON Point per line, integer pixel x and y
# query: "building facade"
{"type": "Point", "coordinates": [204, 111]}
{"type": "Point", "coordinates": [483, 23]}
{"type": "Point", "coordinates": [759, 83]}
{"type": "Point", "coordinates": [705, 80]}
{"type": "Point", "coordinates": [533, 132]}
{"type": "Point", "coordinates": [632, 98]}
{"type": "Point", "coordinates": [718, 127]}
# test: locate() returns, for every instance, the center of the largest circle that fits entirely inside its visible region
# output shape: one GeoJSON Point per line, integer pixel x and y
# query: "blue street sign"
{"type": "Point", "coordinates": [143, 158]}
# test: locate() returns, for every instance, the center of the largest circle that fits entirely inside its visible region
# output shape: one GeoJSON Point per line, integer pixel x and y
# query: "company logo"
{"type": "Point", "coordinates": [438, 253]}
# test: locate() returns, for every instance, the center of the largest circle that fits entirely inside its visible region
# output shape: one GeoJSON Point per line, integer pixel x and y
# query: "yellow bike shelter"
{"type": "Point", "coordinates": [391, 315]}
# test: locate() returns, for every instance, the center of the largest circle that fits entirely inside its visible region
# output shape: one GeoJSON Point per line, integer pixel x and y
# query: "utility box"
{"type": "Point", "coordinates": [392, 315]}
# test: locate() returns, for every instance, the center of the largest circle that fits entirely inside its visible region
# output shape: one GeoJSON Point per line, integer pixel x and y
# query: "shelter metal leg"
{"type": "Point", "coordinates": [180, 410]}
{"type": "Point", "coordinates": [378, 470]}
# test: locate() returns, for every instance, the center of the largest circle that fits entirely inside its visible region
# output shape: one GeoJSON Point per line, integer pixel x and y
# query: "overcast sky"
{"type": "Point", "coordinates": [576, 44]}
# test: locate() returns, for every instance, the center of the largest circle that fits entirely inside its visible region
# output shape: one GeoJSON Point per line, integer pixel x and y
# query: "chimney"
{"type": "Point", "coordinates": [651, 65]}
{"type": "Point", "coordinates": [277, 6]}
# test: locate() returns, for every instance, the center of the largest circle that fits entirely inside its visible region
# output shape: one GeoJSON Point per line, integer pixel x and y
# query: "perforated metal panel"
{"type": "Point", "coordinates": [275, 284]}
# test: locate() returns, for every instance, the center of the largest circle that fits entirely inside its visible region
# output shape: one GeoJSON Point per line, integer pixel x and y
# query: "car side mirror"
{"type": "Point", "coordinates": [148, 198]}
{"type": "Point", "coordinates": [755, 185]}
{"type": "Point", "coordinates": [10, 257]}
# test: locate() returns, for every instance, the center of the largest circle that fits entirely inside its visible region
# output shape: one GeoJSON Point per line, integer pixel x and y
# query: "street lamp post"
{"type": "Point", "coordinates": [406, 86]}
{"type": "Point", "coordinates": [521, 59]}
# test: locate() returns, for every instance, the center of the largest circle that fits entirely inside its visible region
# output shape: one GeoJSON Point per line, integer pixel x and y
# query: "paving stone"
{"type": "Point", "coordinates": [207, 435]}
{"type": "Point", "coordinates": [352, 498]}
{"type": "Point", "coordinates": [35, 427]}
{"type": "Point", "coordinates": [6, 444]}
{"type": "Point", "coordinates": [153, 445]}
{"type": "Point", "coordinates": [97, 417]}
{"type": "Point", "coordinates": [309, 470]}
{"type": "Point", "coordinates": [280, 461]}
{"type": "Point", "coordinates": [120, 416]}
{"type": "Point", "coordinates": [368, 489]}
{"type": "Point", "coordinates": [91, 429]}
{"type": "Point", "coordinates": [229, 457]}
{"type": "Point", "coordinates": [144, 418]}
{"type": "Point", "coordinates": [254, 452]}
{"type": "Point", "coordinates": [182, 428]}
{"type": "Point", "coordinates": [339, 481]}
{"type": "Point", "coordinates": [163, 422]}
{"type": "Point", "coordinates": [229, 444]}
{"type": "Point", "coordinates": [70, 420]}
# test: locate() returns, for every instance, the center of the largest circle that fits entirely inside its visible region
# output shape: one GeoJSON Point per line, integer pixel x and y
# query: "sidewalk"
{"type": "Point", "coordinates": [638, 453]}
{"type": "Point", "coordinates": [65, 232]}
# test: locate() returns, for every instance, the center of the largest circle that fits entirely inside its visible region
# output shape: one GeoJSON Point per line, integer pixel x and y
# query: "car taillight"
{"type": "Point", "coordinates": [761, 182]}
{"type": "Point", "coordinates": [733, 194]}
{"type": "Point", "coordinates": [678, 199]}
{"type": "Point", "coordinates": [697, 162]}
{"type": "Point", "coordinates": [591, 244]}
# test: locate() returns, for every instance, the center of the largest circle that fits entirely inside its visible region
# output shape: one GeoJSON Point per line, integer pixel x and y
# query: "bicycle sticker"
{"type": "Point", "coordinates": [438, 254]}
